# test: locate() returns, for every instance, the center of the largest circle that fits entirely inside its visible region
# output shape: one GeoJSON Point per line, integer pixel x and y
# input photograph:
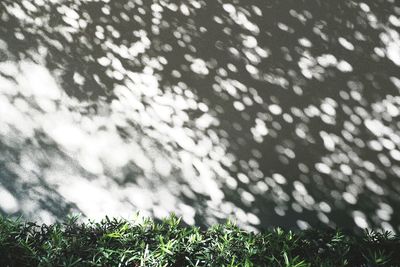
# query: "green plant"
{"type": "Point", "coordinates": [143, 242]}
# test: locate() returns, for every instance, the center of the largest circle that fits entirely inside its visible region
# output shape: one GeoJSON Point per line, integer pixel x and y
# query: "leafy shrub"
{"type": "Point", "coordinates": [118, 242]}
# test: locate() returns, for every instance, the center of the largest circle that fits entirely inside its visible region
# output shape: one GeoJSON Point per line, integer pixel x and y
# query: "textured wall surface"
{"type": "Point", "coordinates": [269, 112]}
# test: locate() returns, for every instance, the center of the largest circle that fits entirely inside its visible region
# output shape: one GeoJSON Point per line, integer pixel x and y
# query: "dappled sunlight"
{"type": "Point", "coordinates": [268, 113]}
{"type": "Point", "coordinates": [100, 171]}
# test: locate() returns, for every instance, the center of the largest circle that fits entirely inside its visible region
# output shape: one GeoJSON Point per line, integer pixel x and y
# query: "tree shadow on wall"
{"type": "Point", "coordinates": [275, 113]}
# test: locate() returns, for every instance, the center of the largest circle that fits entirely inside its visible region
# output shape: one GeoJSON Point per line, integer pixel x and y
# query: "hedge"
{"type": "Point", "coordinates": [119, 242]}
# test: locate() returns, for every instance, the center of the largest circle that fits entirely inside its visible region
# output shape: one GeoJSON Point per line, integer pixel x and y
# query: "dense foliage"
{"type": "Point", "coordinates": [115, 242]}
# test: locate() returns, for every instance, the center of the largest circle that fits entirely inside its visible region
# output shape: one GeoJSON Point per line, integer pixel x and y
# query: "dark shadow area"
{"type": "Point", "coordinates": [273, 113]}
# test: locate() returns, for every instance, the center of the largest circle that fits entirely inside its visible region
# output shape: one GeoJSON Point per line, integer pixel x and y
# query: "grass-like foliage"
{"type": "Point", "coordinates": [115, 242]}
